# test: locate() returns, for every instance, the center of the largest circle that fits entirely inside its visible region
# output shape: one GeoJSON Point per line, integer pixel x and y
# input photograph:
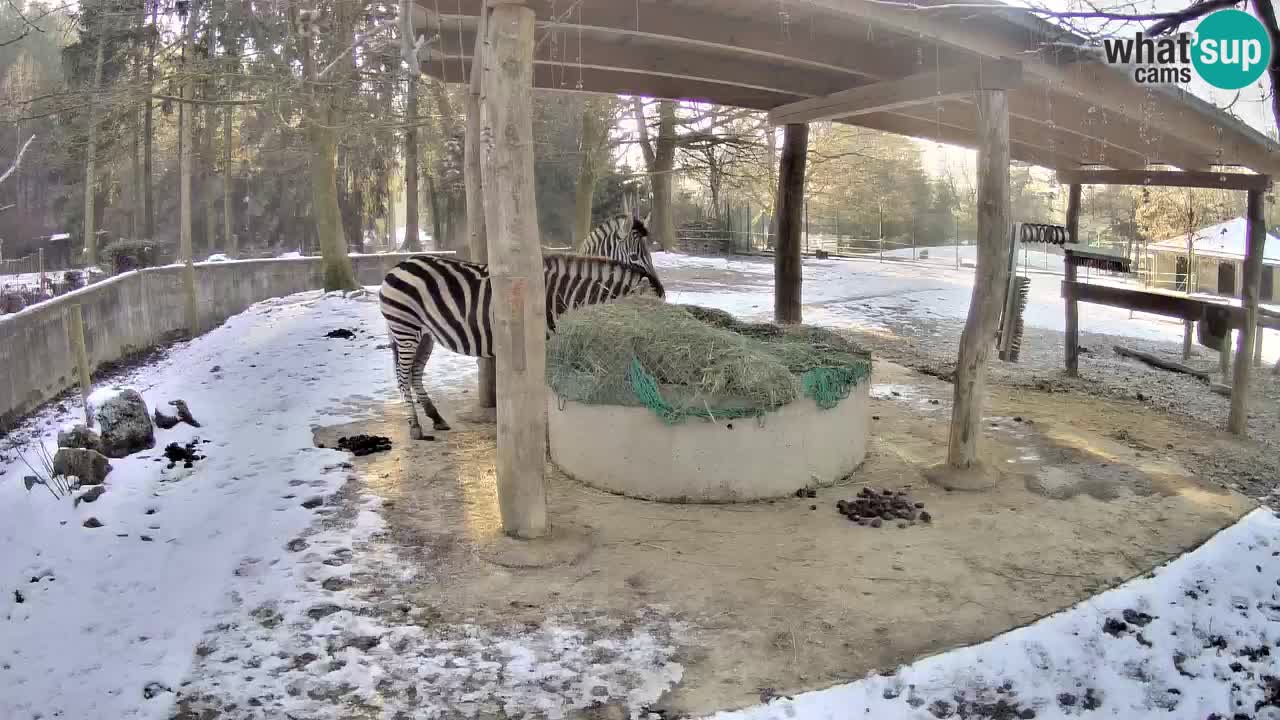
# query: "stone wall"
{"type": "Point", "coordinates": [137, 310]}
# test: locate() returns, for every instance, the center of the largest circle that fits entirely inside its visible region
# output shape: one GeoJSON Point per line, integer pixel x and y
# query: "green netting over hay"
{"type": "Point", "coordinates": [686, 361]}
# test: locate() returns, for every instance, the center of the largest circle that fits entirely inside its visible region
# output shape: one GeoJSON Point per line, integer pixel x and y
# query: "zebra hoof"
{"type": "Point", "coordinates": [441, 425]}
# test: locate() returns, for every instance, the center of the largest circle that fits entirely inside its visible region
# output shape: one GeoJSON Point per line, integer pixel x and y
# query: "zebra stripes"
{"type": "Point", "coordinates": [623, 238]}
{"type": "Point", "coordinates": [430, 299]}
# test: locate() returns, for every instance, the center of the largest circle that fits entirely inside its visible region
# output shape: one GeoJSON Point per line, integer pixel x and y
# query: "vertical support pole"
{"type": "Point", "coordinates": [1238, 421]}
{"type": "Point", "coordinates": [1257, 345]}
{"type": "Point", "coordinates": [40, 262]}
{"type": "Point", "coordinates": [75, 336]}
{"type": "Point", "coordinates": [477, 240]}
{"type": "Point", "coordinates": [787, 271]}
{"type": "Point", "coordinates": [806, 217]}
{"type": "Point", "coordinates": [989, 279]}
{"type": "Point", "coordinates": [1187, 328]}
{"type": "Point", "coordinates": [515, 268]}
{"type": "Point", "coordinates": [1069, 275]}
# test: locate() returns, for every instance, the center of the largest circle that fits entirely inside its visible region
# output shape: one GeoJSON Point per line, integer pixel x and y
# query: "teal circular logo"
{"type": "Point", "coordinates": [1232, 49]}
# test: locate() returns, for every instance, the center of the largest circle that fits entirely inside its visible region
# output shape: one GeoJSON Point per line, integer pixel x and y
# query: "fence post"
{"type": "Point", "coordinates": [75, 336]}
{"type": "Point", "coordinates": [913, 240]}
{"type": "Point", "coordinates": [40, 263]}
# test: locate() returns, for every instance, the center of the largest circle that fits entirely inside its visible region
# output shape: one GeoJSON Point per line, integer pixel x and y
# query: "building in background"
{"type": "Point", "coordinates": [1216, 262]}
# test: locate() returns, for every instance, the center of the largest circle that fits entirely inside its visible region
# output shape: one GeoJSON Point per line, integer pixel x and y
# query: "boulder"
{"type": "Point", "coordinates": [80, 437]}
{"type": "Point", "coordinates": [126, 425]}
{"type": "Point", "coordinates": [90, 466]}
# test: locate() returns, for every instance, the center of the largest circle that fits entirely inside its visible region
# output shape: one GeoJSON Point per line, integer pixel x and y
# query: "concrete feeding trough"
{"type": "Point", "coordinates": [685, 404]}
{"type": "Point", "coordinates": [630, 451]}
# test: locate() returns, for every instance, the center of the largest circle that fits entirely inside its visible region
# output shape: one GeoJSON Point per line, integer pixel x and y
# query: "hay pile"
{"type": "Point", "coordinates": [686, 361]}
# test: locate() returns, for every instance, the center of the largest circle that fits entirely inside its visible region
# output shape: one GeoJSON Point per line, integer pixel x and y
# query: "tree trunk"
{"type": "Point", "coordinates": [185, 116]}
{"type": "Point", "coordinates": [411, 242]}
{"type": "Point", "coordinates": [519, 298]}
{"type": "Point", "coordinates": [148, 132]}
{"type": "Point", "coordinates": [438, 240]}
{"type": "Point", "coordinates": [135, 182]}
{"type": "Point", "coordinates": [771, 145]}
{"type": "Point", "coordinates": [477, 236]}
{"type": "Point", "coordinates": [91, 152]}
{"type": "Point", "coordinates": [1072, 335]}
{"type": "Point", "coordinates": [391, 208]}
{"type": "Point", "coordinates": [594, 135]}
{"type": "Point", "coordinates": [990, 279]}
{"type": "Point", "coordinates": [660, 161]}
{"type": "Point", "coordinates": [326, 215]}
{"type": "Point", "coordinates": [209, 171]}
{"type": "Point", "coordinates": [790, 212]}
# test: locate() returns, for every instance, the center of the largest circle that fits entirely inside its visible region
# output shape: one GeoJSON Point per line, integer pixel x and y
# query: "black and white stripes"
{"type": "Point", "coordinates": [624, 238]}
{"type": "Point", "coordinates": [430, 299]}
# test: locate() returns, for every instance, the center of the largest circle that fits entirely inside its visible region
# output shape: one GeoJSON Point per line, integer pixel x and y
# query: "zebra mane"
{"type": "Point", "coordinates": [579, 261]}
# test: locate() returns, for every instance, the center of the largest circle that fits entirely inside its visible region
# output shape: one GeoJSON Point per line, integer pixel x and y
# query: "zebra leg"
{"type": "Point", "coordinates": [420, 358]}
{"type": "Point", "coordinates": [403, 359]}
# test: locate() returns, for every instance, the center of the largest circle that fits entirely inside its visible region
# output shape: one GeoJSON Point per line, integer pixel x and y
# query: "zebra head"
{"type": "Point", "coordinates": [638, 244]}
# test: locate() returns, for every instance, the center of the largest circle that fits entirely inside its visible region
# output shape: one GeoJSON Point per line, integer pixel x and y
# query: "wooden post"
{"type": "Point", "coordinates": [1257, 347]}
{"type": "Point", "coordinates": [75, 336]}
{"type": "Point", "coordinates": [787, 270]}
{"type": "Point", "coordinates": [515, 266]}
{"type": "Point", "coordinates": [477, 241]}
{"type": "Point", "coordinates": [1238, 422]}
{"type": "Point", "coordinates": [1187, 330]}
{"type": "Point", "coordinates": [989, 278]}
{"type": "Point", "coordinates": [1069, 275]}
{"type": "Point", "coordinates": [40, 262]}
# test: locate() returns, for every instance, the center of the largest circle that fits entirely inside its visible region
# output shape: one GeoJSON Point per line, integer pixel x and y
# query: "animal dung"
{"type": "Point", "coordinates": [360, 445]}
{"type": "Point", "coordinates": [876, 507]}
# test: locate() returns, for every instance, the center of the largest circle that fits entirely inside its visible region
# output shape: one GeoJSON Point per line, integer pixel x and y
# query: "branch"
{"type": "Point", "coordinates": [1267, 13]}
{"type": "Point", "coordinates": [17, 160]}
{"type": "Point", "coordinates": [1191, 13]}
{"type": "Point", "coordinates": [1179, 16]}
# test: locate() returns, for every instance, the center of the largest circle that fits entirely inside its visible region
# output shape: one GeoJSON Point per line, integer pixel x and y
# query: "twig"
{"type": "Point", "coordinates": [17, 160]}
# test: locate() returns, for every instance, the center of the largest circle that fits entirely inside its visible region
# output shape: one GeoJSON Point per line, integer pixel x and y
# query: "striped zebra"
{"type": "Point", "coordinates": [430, 299]}
{"type": "Point", "coordinates": [623, 238]}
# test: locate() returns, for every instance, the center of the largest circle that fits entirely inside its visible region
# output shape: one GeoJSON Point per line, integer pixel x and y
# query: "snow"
{"type": "Point", "coordinates": [294, 254]}
{"type": "Point", "coordinates": [104, 594]}
{"type": "Point", "coordinates": [217, 257]}
{"type": "Point", "coordinates": [1210, 608]}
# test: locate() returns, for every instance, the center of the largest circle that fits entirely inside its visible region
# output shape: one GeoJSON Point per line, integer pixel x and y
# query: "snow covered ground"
{"type": "Point", "coordinates": [1193, 641]}
{"type": "Point", "coordinates": [194, 570]}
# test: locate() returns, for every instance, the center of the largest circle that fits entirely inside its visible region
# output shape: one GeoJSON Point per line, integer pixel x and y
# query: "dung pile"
{"type": "Point", "coordinates": [185, 454]}
{"type": "Point", "coordinates": [874, 508]}
{"type": "Point", "coordinates": [361, 445]}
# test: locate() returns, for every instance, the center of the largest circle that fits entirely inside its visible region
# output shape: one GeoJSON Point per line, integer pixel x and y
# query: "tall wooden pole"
{"type": "Point", "coordinates": [515, 268]}
{"type": "Point", "coordinates": [989, 280]}
{"type": "Point", "coordinates": [1238, 421]}
{"type": "Point", "coordinates": [787, 269]}
{"type": "Point", "coordinates": [477, 241]}
{"type": "Point", "coordinates": [1069, 275]}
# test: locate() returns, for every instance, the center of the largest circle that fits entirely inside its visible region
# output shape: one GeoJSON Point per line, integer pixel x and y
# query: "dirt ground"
{"type": "Point", "coordinates": [779, 597]}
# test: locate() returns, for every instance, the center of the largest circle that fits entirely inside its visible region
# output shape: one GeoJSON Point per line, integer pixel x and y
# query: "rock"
{"type": "Point", "coordinates": [80, 438]}
{"type": "Point", "coordinates": [90, 466]}
{"type": "Point", "coordinates": [164, 422]}
{"type": "Point", "coordinates": [126, 425]}
{"type": "Point", "coordinates": [90, 495]}
{"type": "Point", "coordinates": [93, 522]}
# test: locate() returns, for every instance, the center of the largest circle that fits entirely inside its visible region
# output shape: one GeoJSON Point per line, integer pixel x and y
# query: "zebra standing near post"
{"type": "Point", "coordinates": [430, 299]}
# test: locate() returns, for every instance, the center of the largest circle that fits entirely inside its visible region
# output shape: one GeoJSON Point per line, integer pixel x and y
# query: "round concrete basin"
{"type": "Point", "coordinates": [630, 451]}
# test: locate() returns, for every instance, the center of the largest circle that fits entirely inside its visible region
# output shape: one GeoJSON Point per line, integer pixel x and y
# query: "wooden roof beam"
{"type": "Point", "coordinates": [1165, 178]}
{"type": "Point", "coordinates": [908, 125]}
{"type": "Point", "coordinates": [1103, 86]}
{"type": "Point", "coordinates": [891, 95]}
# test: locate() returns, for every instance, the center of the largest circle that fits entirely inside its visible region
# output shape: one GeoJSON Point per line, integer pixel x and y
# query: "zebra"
{"type": "Point", "coordinates": [622, 237]}
{"type": "Point", "coordinates": [430, 299]}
